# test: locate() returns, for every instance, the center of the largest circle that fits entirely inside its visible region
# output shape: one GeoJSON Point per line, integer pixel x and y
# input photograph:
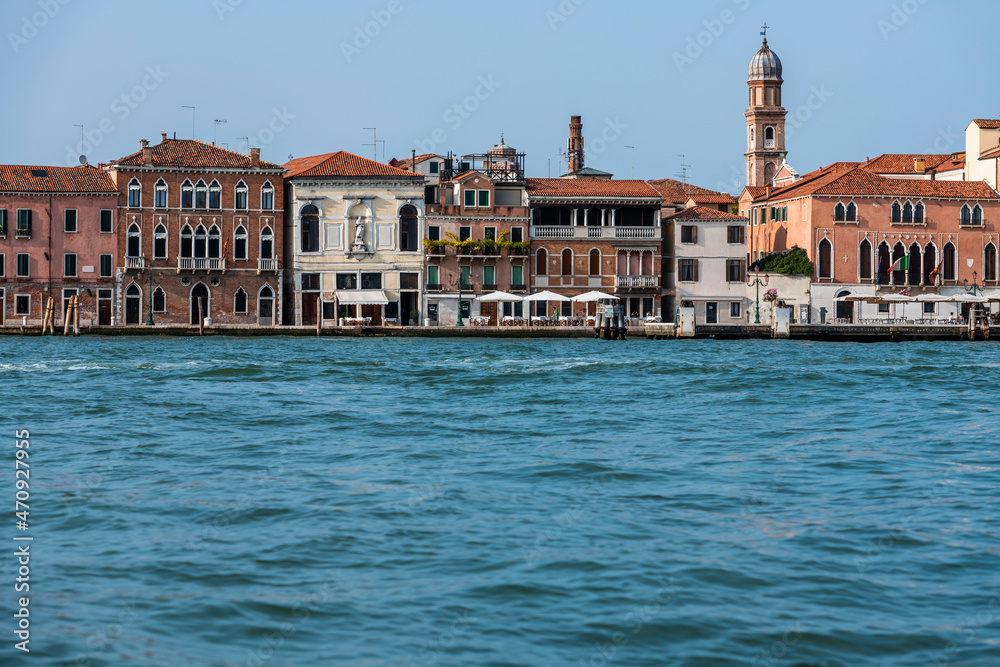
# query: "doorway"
{"type": "Point", "coordinates": [198, 314]}
{"type": "Point", "coordinates": [374, 311]}
{"type": "Point", "coordinates": [489, 309]}
{"type": "Point", "coordinates": [711, 313]}
{"type": "Point", "coordinates": [133, 304]}
{"type": "Point", "coordinates": [265, 306]}
{"type": "Point", "coordinates": [309, 301]}
{"type": "Point", "coordinates": [408, 304]}
{"type": "Point", "coordinates": [104, 307]}
{"type": "Point", "coordinates": [845, 309]}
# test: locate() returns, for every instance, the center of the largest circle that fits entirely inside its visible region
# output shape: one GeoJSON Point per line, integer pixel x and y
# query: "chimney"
{"type": "Point", "coordinates": [255, 158]}
{"type": "Point", "coordinates": [933, 173]}
{"type": "Point", "coordinates": [919, 165]}
{"type": "Point", "coordinates": [147, 152]}
{"type": "Point", "coordinates": [163, 137]}
{"type": "Point", "coordinates": [574, 147]}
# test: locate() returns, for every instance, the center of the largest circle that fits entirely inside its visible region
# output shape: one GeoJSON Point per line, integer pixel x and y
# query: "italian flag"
{"type": "Point", "coordinates": [901, 264]}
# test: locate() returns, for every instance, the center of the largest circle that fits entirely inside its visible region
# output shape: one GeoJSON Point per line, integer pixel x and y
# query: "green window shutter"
{"type": "Point", "coordinates": [484, 198]}
{"type": "Point", "coordinates": [470, 198]}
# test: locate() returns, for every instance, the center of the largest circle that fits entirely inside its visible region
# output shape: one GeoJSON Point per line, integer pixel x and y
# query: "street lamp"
{"type": "Point", "coordinates": [976, 308]}
{"type": "Point", "coordinates": [756, 282]}
{"type": "Point", "coordinates": [149, 317]}
{"type": "Point", "coordinates": [458, 282]}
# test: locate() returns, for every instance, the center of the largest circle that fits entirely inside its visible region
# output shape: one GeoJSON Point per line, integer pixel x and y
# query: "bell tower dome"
{"type": "Point", "coordinates": [765, 117]}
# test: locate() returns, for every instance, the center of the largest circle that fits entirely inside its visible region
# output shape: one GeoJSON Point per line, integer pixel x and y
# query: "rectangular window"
{"type": "Point", "coordinates": [310, 281]}
{"type": "Point", "coordinates": [517, 234]}
{"type": "Point", "coordinates": [489, 277]}
{"type": "Point", "coordinates": [409, 281]}
{"type": "Point", "coordinates": [489, 233]}
{"type": "Point", "coordinates": [928, 308]}
{"type": "Point", "coordinates": [466, 276]}
{"type": "Point", "coordinates": [435, 165]}
{"type": "Point", "coordinates": [434, 232]}
{"type": "Point", "coordinates": [24, 222]}
{"type": "Point", "coordinates": [484, 198]}
{"type": "Point", "coordinates": [689, 234]}
{"type": "Point", "coordinates": [22, 265]}
{"type": "Point", "coordinates": [69, 220]}
{"type": "Point", "coordinates": [3, 222]}
{"type": "Point", "coordinates": [517, 277]}
{"type": "Point", "coordinates": [470, 198]}
{"type": "Point", "coordinates": [687, 270]}
{"type": "Point", "coordinates": [735, 270]}
{"type": "Point", "coordinates": [105, 266]}
{"type": "Point", "coordinates": [2, 266]}
{"type": "Point", "coordinates": [69, 265]}
{"type": "Point", "coordinates": [433, 277]}
{"type": "Point", "coordinates": [22, 304]}
{"type": "Point", "coordinates": [430, 194]}
{"type": "Point", "coordinates": [347, 281]}
{"type": "Point", "coordinates": [106, 221]}
{"type": "Point", "coordinates": [735, 309]}
{"type": "Point", "coordinates": [883, 308]}
{"type": "Point", "coordinates": [736, 234]}
{"type": "Point", "coordinates": [464, 233]}
{"type": "Point", "coordinates": [371, 281]}
{"type": "Point", "coordinates": [67, 295]}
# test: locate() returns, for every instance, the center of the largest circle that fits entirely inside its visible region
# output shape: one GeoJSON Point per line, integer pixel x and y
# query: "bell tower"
{"type": "Point", "coordinates": [765, 116]}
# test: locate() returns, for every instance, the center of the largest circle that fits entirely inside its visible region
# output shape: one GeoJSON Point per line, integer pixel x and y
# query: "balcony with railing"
{"type": "Point", "coordinates": [135, 263]}
{"type": "Point", "coordinates": [266, 265]}
{"type": "Point", "coordinates": [635, 282]}
{"type": "Point", "coordinates": [201, 264]}
{"type": "Point", "coordinates": [434, 287]}
{"type": "Point", "coordinates": [567, 232]}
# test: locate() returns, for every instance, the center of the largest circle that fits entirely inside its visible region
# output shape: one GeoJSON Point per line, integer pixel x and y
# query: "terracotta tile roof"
{"type": "Point", "coordinates": [677, 192]}
{"type": "Point", "coordinates": [987, 123]}
{"type": "Point", "coordinates": [902, 163]}
{"type": "Point", "coordinates": [954, 161]}
{"type": "Point", "coordinates": [26, 178]}
{"type": "Point", "coordinates": [989, 154]}
{"type": "Point", "coordinates": [194, 154]}
{"type": "Point", "coordinates": [704, 213]}
{"type": "Point", "coordinates": [589, 187]}
{"type": "Point", "coordinates": [342, 163]}
{"type": "Point", "coordinates": [465, 175]}
{"type": "Point", "coordinates": [806, 185]}
{"type": "Point", "coordinates": [409, 162]}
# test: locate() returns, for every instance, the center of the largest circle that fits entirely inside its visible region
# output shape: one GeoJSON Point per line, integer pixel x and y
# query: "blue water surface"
{"type": "Point", "coordinates": [428, 502]}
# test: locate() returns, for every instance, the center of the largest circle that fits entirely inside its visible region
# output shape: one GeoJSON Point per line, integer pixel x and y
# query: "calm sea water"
{"type": "Point", "coordinates": [453, 502]}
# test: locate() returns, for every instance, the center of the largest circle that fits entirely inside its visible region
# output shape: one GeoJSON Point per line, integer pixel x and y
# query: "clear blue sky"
{"type": "Point", "coordinates": [884, 76]}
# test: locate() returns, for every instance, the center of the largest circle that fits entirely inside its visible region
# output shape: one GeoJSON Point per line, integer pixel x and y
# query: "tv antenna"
{"type": "Point", "coordinates": [374, 143]}
{"type": "Point", "coordinates": [83, 158]}
{"type": "Point", "coordinates": [633, 161]}
{"type": "Point", "coordinates": [246, 139]}
{"type": "Point", "coordinates": [683, 173]}
{"type": "Point", "coordinates": [215, 132]}
{"type": "Point", "coordinates": [185, 106]}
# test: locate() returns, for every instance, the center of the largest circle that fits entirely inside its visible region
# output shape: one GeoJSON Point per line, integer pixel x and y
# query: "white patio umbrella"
{"type": "Point", "coordinates": [934, 298]}
{"type": "Point", "coordinates": [588, 297]}
{"type": "Point", "coordinates": [544, 296]}
{"type": "Point", "coordinates": [970, 298]}
{"type": "Point", "coordinates": [499, 296]}
{"type": "Point", "coordinates": [897, 298]}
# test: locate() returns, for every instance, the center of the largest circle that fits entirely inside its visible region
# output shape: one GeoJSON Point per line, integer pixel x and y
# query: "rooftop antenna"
{"type": "Point", "coordinates": [215, 132]}
{"type": "Point", "coordinates": [633, 161]}
{"type": "Point", "coordinates": [185, 106]}
{"type": "Point", "coordinates": [683, 173]}
{"type": "Point", "coordinates": [550, 167]}
{"type": "Point", "coordinates": [381, 141]}
{"type": "Point", "coordinates": [563, 159]}
{"type": "Point", "coordinates": [83, 158]}
{"type": "Point", "coordinates": [246, 139]}
{"type": "Point", "coordinates": [374, 143]}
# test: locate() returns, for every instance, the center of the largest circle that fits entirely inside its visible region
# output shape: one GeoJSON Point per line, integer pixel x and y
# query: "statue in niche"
{"type": "Point", "coordinates": [359, 233]}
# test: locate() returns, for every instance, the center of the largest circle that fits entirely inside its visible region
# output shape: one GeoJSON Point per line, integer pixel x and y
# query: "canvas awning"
{"type": "Point", "coordinates": [361, 297]}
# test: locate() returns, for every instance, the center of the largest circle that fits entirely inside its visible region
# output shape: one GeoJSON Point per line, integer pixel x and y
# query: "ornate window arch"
{"type": "Point", "coordinates": [241, 196]}
{"type": "Point", "coordinates": [200, 241]}
{"type": "Point", "coordinates": [160, 194]}
{"type": "Point", "coordinates": [594, 262]}
{"type": "Point", "coordinates": [897, 212]}
{"type": "Point", "coordinates": [977, 215]}
{"type": "Point", "coordinates": [907, 212]}
{"type": "Point", "coordinates": [865, 260]}
{"type": "Point", "coordinates": [215, 195]}
{"type": "Point", "coordinates": [133, 246]}
{"type": "Point", "coordinates": [159, 300]}
{"type": "Point", "coordinates": [240, 243]}
{"type": "Point", "coordinates": [160, 241]}
{"type": "Point", "coordinates": [135, 193]}
{"type": "Point", "coordinates": [852, 212]}
{"type": "Point", "coordinates": [200, 195]}
{"type": "Point", "coordinates": [949, 262]}
{"type": "Point", "coordinates": [266, 243]}
{"type": "Point", "coordinates": [542, 262]}
{"type": "Point", "coordinates": [824, 255]}
{"type": "Point", "coordinates": [240, 301]}
{"type": "Point", "coordinates": [187, 194]}
{"type": "Point", "coordinates": [965, 215]}
{"type": "Point", "coordinates": [267, 196]}
{"type": "Point", "coordinates": [187, 241]}
{"type": "Point", "coordinates": [214, 242]}
{"type": "Point", "coordinates": [990, 262]}
{"type": "Point", "coordinates": [839, 212]}
{"type": "Point", "coordinates": [918, 212]}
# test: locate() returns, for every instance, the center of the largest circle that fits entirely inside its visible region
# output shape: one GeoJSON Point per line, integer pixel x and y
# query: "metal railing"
{"type": "Point", "coordinates": [201, 264]}
{"type": "Point", "coordinates": [567, 232]}
{"type": "Point", "coordinates": [635, 281]}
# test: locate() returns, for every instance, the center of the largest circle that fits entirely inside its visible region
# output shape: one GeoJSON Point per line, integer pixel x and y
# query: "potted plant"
{"type": "Point", "coordinates": [413, 318]}
{"type": "Point", "coordinates": [435, 247]}
{"type": "Point", "coordinates": [520, 248]}
{"type": "Point", "coordinates": [771, 295]}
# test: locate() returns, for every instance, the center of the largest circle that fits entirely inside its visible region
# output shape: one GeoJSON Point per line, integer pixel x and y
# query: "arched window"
{"type": "Point", "coordinates": [913, 271]}
{"type": "Point", "coordinates": [134, 247]}
{"type": "Point", "coordinates": [918, 212]}
{"type": "Point", "coordinates": [769, 137]}
{"type": "Point", "coordinates": [567, 262]}
{"type": "Point", "coordinates": [825, 259]}
{"type": "Point", "coordinates": [159, 300]}
{"type": "Point", "coordinates": [266, 196]}
{"type": "Point", "coordinates": [187, 242]}
{"type": "Point", "coordinates": [907, 212]}
{"type": "Point", "coordinates": [240, 243]}
{"type": "Point", "coordinates": [309, 223]}
{"type": "Point", "coordinates": [160, 194]}
{"type": "Point", "coordinates": [948, 262]}
{"type": "Point", "coordinates": [187, 194]}
{"type": "Point", "coordinates": [595, 262]}
{"type": "Point", "coordinates": [990, 262]}
{"type": "Point", "coordinates": [977, 215]}
{"type": "Point", "coordinates": [897, 212]}
{"type": "Point", "coordinates": [899, 275]}
{"type": "Point", "coordinates": [884, 264]}
{"type": "Point", "coordinates": [214, 242]}
{"type": "Point", "coordinates": [160, 242]}
{"type": "Point", "coordinates": [408, 229]}
{"type": "Point", "coordinates": [135, 193]}
{"type": "Point", "coordinates": [852, 212]}
{"type": "Point", "coordinates": [215, 195]}
{"type": "Point", "coordinates": [839, 212]}
{"type": "Point", "coordinates": [865, 260]}
{"type": "Point", "coordinates": [542, 262]}
{"type": "Point", "coordinates": [200, 242]}
{"type": "Point", "coordinates": [133, 304]}
{"type": "Point", "coordinates": [201, 195]}
{"type": "Point", "coordinates": [965, 217]}
{"type": "Point", "coordinates": [241, 196]}
{"type": "Point", "coordinates": [240, 301]}
{"type": "Point", "coordinates": [266, 243]}
{"type": "Point", "coordinates": [930, 264]}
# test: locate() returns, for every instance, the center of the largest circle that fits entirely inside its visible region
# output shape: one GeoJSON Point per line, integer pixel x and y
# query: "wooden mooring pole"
{"type": "Point", "coordinates": [201, 317]}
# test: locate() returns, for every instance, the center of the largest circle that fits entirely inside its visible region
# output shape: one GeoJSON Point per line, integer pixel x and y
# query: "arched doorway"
{"type": "Point", "coordinates": [884, 264]}
{"type": "Point", "coordinates": [201, 291]}
{"type": "Point", "coordinates": [845, 309]}
{"type": "Point", "coordinates": [133, 304]}
{"type": "Point", "coordinates": [825, 259]}
{"type": "Point", "coordinates": [930, 265]}
{"type": "Point", "coordinates": [265, 306]}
